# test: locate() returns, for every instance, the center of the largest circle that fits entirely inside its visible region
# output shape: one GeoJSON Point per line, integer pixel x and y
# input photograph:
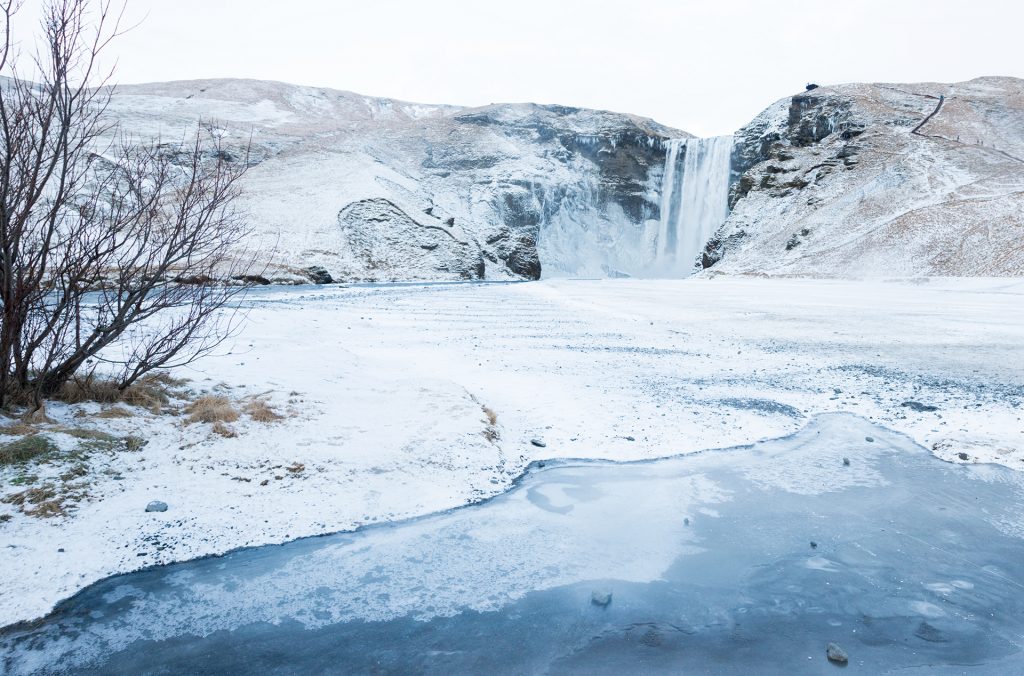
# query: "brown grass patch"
{"type": "Point", "coordinates": [492, 417]}
{"type": "Point", "coordinates": [296, 467]}
{"type": "Point", "coordinates": [212, 408]}
{"type": "Point", "coordinates": [491, 431]}
{"type": "Point", "coordinates": [260, 411]}
{"type": "Point", "coordinates": [18, 429]}
{"type": "Point", "coordinates": [25, 449]}
{"type": "Point", "coordinates": [224, 430]}
{"type": "Point", "coordinates": [115, 412]}
{"type": "Point", "coordinates": [153, 391]}
{"type": "Point", "coordinates": [30, 496]}
{"type": "Point", "coordinates": [46, 509]}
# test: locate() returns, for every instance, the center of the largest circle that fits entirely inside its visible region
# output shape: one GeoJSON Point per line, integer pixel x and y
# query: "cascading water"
{"type": "Point", "coordinates": [694, 200]}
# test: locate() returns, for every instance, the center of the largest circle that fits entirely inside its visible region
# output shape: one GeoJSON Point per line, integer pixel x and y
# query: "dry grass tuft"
{"type": "Point", "coordinates": [18, 429]}
{"type": "Point", "coordinates": [492, 417]}
{"type": "Point", "coordinates": [83, 433]}
{"type": "Point", "coordinates": [46, 509]}
{"type": "Point", "coordinates": [260, 411]}
{"type": "Point", "coordinates": [153, 391]}
{"type": "Point", "coordinates": [30, 496]}
{"type": "Point", "coordinates": [224, 430]}
{"type": "Point", "coordinates": [296, 467]}
{"type": "Point", "coordinates": [212, 408]}
{"type": "Point", "coordinates": [115, 412]}
{"type": "Point", "coordinates": [491, 431]}
{"type": "Point", "coordinates": [36, 416]}
{"type": "Point", "coordinates": [26, 448]}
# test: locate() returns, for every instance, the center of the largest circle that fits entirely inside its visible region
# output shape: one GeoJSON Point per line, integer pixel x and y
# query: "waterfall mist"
{"type": "Point", "coordinates": [694, 201]}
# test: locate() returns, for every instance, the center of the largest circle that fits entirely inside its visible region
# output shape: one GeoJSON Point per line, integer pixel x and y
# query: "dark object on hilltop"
{"type": "Point", "coordinates": [810, 86]}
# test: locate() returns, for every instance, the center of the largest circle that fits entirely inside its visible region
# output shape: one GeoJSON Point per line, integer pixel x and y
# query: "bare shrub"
{"type": "Point", "coordinates": [110, 248]}
{"type": "Point", "coordinates": [212, 408]}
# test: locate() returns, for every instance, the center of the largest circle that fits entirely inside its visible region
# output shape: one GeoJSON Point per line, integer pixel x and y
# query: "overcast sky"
{"type": "Point", "coordinates": [705, 66]}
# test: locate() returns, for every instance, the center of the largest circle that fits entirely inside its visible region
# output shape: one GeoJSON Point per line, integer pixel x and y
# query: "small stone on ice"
{"type": "Point", "coordinates": [963, 456]}
{"type": "Point", "coordinates": [156, 506]}
{"type": "Point", "coordinates": [814, 545]}
{"type": "Point", "coordinates": [836, 654]}
{"type": "Point", "coordinates": [846, 462]}
{"type": "Point", "coordinates": [869, 439]}
{"type": "Point", "coordinates": [601, 598]}
{"type": "Point", "coordinates": [539, 443]}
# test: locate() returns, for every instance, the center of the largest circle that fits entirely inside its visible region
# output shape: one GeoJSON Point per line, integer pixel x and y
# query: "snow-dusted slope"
{"type": "Point", "coordinates": [838, 181]}
{"type": "Point", "coordinates": [847, 181]}
{"type": "Point", "coordinates": [379, 189]}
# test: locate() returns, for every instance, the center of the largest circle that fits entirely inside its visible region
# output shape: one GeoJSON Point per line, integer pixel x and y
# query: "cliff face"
{"type": "Point", "coordinates": [851, 180]}
{"type": "Point", "coordinates": [847, 181]}
{"type": "Point", "coordinates": [376, 189]}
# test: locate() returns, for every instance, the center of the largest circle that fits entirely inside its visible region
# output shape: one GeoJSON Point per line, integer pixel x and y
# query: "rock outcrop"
{"type": "Point", "coordinates": [850, 180]}
{"type": "Point", "coordinates": [847, 181]}
{"type": "Point", "coordinates": [377, 189]}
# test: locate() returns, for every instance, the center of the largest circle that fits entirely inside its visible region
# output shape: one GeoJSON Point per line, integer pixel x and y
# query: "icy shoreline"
{"type": "Point", "coordinates": [386, 387]}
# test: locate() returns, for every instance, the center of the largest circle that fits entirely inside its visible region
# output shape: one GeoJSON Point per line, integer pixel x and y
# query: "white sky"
{"type": "Point", "coordinates": [705, 66]}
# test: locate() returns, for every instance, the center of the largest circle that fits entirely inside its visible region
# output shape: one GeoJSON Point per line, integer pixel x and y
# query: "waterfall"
{"type": "Point", "coordinates": [694, 201]}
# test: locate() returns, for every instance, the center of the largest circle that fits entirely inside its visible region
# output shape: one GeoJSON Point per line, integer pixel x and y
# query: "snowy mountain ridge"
{"type": "Point", "coordinates": [838, 181]}
{"type": "Point", "coordinates": [880, 179]}
{"type": "Point", "coordinates": [377, 189]}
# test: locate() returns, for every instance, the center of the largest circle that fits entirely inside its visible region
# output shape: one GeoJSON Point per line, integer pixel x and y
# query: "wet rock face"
{"type": "Point", "coordinates": [810, 119]}
{"type": "Point", "coordinates": [495, 180]}
{"type": "Point", "coordinates": [625, 158]}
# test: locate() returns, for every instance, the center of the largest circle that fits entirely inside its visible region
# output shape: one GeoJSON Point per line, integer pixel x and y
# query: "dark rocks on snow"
{"type": "Point", "coordinates": [259, 280]}
{"type": "Point", "coordinates": [846, 462]}
{"type": "Point", "coordinates": [811, 86]}
{"type": "Point", "coordinates": [919, 407]}
{"type": "Point", "coordinates": [963, 456]}
{"type": "Point", "coordinates": [319, 275]}
{"type": "Point", "coordinates": [836, 654]}
{"type": "Point", "coordinates": [539, 443]}
{"type": "Point", "coordinates": [869, 439]}
{"type": "Point", "coordinates": [156, 506]}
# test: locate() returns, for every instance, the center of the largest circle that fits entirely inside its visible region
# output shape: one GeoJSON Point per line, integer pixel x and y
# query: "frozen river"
{"type": "Point", "coordinates": [744, 560]}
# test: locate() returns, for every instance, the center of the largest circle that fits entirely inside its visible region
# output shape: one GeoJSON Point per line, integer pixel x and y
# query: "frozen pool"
{"type": "Point", "coordinates": [746, 560]}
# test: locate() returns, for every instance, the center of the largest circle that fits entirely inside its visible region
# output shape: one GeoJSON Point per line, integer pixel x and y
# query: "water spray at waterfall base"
{"type": "Point", "coordinates": [694, 201]}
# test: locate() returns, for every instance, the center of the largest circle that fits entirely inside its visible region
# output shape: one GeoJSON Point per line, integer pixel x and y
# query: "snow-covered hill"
{"type": "Point", "coordinates": [379, 189]}
{"type": "Point", "coordinates": [847, 181]}
{"type": "Point", "coordinates": [838, 181]}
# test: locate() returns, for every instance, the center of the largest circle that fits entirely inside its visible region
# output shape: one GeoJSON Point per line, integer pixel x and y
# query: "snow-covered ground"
{"type": "Point", "coordinates": [385, 388]}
